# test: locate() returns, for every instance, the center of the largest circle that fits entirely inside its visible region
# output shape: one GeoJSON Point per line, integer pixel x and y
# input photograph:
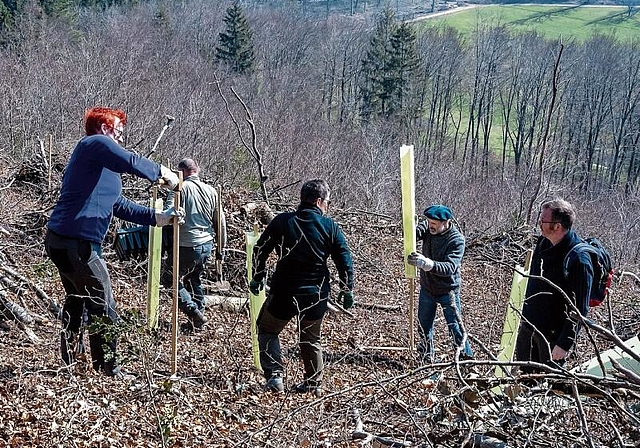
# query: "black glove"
{"type": "Point", "coordinates": [345, 298]}
{"type": "Point", "coordinates": [220, 256]}
{"type": "Point", "coordinates": [255, 287]}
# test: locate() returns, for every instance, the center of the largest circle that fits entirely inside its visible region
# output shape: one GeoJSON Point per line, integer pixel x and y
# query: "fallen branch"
{"type": "Point", "coordinates": [51, 305]}
{"type": "Point", "coordinates": [360, 434]}
{"type": "Point", "coordinates": [378, 306]}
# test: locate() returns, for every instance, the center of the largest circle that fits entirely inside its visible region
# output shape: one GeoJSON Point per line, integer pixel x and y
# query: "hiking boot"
{"type": "Point", "coordinates": [306, 387]}
{"type": "Point", "coordinates": [275, 383]}
{"type": "Point", "coordinates": [197, 319]}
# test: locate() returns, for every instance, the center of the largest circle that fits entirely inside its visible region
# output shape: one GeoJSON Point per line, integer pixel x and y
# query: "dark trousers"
{"type": "Point", "coordinates": [269, 328]}
{"type": "Point", "coordinates": [192, 261]}
{"type": "Point", "coordinates": [87, 285]}
{"type": "Point", "coordinates": [531, 345]}
{"type": "Point", "coordinates": [192, 264]}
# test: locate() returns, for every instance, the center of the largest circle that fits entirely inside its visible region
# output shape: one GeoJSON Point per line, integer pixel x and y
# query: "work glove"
{"type": "Point", "coordinates": [420, 261]}
{"type": "Point", "coordinates": [170, 178]}
{"type": "Point", "coordinates": [220, 255]}
{"type": "Point", "coordinates": [255, 287]}
{"type": "Point", "coordinates": [166, 217]}
{"type": "Point", "coordinates": [345, 298]}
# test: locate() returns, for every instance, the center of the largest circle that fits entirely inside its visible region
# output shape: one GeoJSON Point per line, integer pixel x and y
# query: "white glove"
{"type": "Point", "coordinates": [166, 217]}
{"type": "Point", "coordinates": [171, 179]}
{"type": "Point", "coordinates": [420, 261]}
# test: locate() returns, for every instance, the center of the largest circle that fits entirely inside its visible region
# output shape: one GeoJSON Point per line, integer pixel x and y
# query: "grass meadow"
{"type": "Point", "coordinates": [566, 21]}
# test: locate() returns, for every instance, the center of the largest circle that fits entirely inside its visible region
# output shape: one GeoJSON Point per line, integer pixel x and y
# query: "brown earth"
{"type": "Point", "coordinates": [216, 399]}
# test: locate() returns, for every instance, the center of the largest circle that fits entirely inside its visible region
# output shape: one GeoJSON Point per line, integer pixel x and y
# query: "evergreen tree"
{"type": "Point", "coordinates": [59, 8]}
{"type": "Point", "coordinates": [9, 9]}
{"type": "Point", "coordinates": [404, 63]}
{"type": "Point", "coordinates": [387, 69]}
{"type": "Point", "coordinates": [376, 69]}
{"type": "Point", "coordinates": [235, 47]}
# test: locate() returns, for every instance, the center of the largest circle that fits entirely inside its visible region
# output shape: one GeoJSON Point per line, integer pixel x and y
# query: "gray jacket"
{"type": "Point", "coordinates": [446, 250]}
{"type": "Point", "coordinates": [200, 203]}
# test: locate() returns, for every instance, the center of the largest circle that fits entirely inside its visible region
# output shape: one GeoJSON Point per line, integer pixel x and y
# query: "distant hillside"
{"type": "Point", "coordinates": [552, 21]}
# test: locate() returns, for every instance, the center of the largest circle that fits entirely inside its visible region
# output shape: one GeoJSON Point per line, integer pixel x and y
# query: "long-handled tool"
{"type": "Point", "coordinates": [170, 120]}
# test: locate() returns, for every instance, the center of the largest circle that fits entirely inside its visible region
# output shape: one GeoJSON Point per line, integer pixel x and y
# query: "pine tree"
{"type": "Point", "coordinates": [8, 11]}
{"type": "Point", "coordinates": [387, 70]}
{"type": "Point", "coordinates": [403, 65]}
{"type": "Point", "coordinates": [376, 69]}
{"type": "Point", "coordinates": [235, 47]}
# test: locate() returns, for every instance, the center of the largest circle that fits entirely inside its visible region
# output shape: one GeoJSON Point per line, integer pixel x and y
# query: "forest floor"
{"type": "Point", "coordinates": [373, 395]}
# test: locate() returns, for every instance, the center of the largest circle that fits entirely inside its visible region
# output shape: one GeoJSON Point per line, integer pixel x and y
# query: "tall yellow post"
{"type": "Point", "coordinates": [512, 317]}
{"type": "Point", "coordinates": [409, 228]}
{"type": "Point", "coordinates": [153, 267]}
{"type": "Point", "coordinates": [255, 302]}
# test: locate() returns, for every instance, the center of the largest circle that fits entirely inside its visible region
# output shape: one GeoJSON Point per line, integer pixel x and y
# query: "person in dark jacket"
{"type": "Point", "coordinates": [547, 333]}
{"type": "Point", "coordinates": [90, 195]}
{"type": "Point", "coordinates": [303, 241]}
{"type": "Point", "coordinates": [442, 250]}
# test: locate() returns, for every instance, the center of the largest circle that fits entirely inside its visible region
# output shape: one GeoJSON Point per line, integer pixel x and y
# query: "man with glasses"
{"type": "Point", "coordinates": [303, 241]}
{"type": "Point", "coordinates": [547, 333]}
{"type": "Point", "coordinates": [442, 250]}
{"type": "Point", "coordinates": [90, 195]}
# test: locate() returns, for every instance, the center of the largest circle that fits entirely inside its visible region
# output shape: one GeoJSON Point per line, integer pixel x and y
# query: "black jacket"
{"type": "Point", "coordinates": [303, 241]}
{"type": "Point", "coordinates": [544, 306]}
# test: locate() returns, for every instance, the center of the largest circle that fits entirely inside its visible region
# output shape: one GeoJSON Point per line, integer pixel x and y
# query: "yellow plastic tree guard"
{"type": "Point", "coordinates": [512, 318]}
{"type": "Point", "coordinates": [255, 302]}
{"type": "Point", "coordinates": [153, 268]}
{"type": "Point", "coordinates": [408, 206]}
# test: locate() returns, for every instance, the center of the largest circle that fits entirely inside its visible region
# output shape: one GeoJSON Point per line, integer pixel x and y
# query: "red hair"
{"type": "Point", "coordinates": [95, 117]}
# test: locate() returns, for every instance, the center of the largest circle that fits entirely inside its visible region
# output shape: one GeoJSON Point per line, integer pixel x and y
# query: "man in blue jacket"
{"type": "Point", "coordinates": [547, 333]}
{"type": "Point", "coordinates": [303, 241]}
{"type": "Point", "coordinates": [90, 195]}
{"type": "Point", "coordinates": [442, 250]}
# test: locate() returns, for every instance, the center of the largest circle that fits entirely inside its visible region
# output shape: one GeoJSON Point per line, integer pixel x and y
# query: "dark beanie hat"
{"type": "Point", "coordinates": [438, 212]}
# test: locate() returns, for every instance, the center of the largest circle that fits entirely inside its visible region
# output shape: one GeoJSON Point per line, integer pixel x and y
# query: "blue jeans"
{"type": "Point", "coordinates": [452, 310]}
{"type": "Point", "coordinates": [192, 264]}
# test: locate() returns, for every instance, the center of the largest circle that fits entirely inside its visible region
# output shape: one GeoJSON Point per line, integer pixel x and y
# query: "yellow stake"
{"type": "Point", "coordinates": [153, 266]}
{"type": "Point", "coordinates": [512, 318]}
{"type": "Point", "coordinates": [409, 227]}
{"type": "Point", "coordinates": [255, 302]}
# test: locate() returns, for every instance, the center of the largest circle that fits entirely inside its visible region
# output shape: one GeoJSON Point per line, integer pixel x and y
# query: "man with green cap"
{"type": "Point", "coordinates": [442, 250]}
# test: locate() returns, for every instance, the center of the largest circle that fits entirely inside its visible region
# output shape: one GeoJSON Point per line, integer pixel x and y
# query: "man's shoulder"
{"type": "Point", "coordinates": [454, 236]}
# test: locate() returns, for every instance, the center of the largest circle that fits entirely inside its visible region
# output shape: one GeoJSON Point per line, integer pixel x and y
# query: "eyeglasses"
{"type": "Point", "coordinates": [548, 222]}
{"type": "Point", "coordinates": [118, 132]}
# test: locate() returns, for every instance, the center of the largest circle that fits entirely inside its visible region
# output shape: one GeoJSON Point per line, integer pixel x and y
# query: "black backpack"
{"type": "Point", "coordinates": [602, 268]}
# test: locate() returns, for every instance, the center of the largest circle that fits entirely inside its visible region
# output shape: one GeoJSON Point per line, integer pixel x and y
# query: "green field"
{"type": "Point", "coordinates": [568, 22]}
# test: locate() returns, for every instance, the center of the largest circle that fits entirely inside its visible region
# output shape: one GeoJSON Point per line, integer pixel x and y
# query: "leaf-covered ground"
{"type": "Point", "coordinates": [376, 391]}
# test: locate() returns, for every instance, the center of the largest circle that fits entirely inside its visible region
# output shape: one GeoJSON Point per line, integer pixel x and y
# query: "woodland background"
{"type": "Point", "coordinates": [293, 92]}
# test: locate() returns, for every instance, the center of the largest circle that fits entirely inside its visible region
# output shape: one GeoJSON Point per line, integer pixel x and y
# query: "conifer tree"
{"type": "Point", "coordinates": [404, 63]}
{"type": "Point", "coordinates": [377, 70]}
{"type": "Point", "coordinates": [8, 11]}
{"type": "Point", "coordinates": [387, 70]}
{"type": "Point", "coordinates": [235, 47]}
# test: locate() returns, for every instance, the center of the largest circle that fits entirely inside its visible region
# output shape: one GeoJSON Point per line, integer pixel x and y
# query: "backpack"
{"type": "Point", "coordinates": [602, 268]}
